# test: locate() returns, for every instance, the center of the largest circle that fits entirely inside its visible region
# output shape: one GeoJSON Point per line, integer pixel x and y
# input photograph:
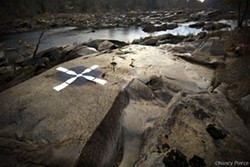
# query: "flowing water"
{"type": "Point", "coordinates": [71, 35]}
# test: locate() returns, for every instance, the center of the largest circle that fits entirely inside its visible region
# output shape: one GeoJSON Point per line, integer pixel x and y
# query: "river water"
{"type": "Point", "coordinates": [72, 35]}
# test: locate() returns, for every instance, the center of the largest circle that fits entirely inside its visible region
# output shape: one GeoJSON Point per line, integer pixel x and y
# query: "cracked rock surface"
{"type": "Point", "coordinates": [154, 106]}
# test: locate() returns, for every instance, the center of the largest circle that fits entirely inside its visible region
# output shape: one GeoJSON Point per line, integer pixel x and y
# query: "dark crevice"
{"type": "Point", "coordinates": [104, 147]}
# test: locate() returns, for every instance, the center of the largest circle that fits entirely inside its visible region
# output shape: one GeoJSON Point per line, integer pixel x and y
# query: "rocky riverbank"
{"type": "Point", "coordinates": [149, 21]}
{"type": "Point", "coordinates": [166, 101]}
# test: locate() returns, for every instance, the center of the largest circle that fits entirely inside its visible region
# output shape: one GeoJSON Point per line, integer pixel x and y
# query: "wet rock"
{"type": "Point", "coordinates": [175, 158]}
{"type": "Point", "coordinates": [169, 26]}
{"type": "Point", "coordinates": [164, 27]}
{"type": "Point", "coordinates": [152, 28]}
{"type": "Point", "coordinates": [215, 132]}
{"type": "Point", "coordinates": [197, 25]}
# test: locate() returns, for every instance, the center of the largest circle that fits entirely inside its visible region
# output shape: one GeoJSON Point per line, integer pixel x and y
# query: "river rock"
{"type": "Point", "coordinates": [73, 51]}
{"type": "Point", "coordinates": [245, 103]}
{"type": "Point", "coordinates": [215, 26]}
{"type": "Point", "coordinates": [149, 41]}
{"type": "Point", "coordinates": [202, 129]}
{"type": "Point", "coordinates": [169, 26]}
{"type": "Point", "coordinates": [106, 45]}
{"type": "Point", "coordinates": [169, 38]}
{"type": "Point", "coordinates": [19, 60]}
{"type": "Point", "coordinates": [81, 124]}
{"type": "Point", "coordinates": [54, 56]}
{"type": "Point", "coordinates": [11, 54]}
{"type": "Point", "coordinates": [3, 60]}
{"type": "Point", "coordinates": [164, 27]}
{"type": "Point", "coordinates": [211, 53]}
{"type": "Point", "coordinates": [197, 25]}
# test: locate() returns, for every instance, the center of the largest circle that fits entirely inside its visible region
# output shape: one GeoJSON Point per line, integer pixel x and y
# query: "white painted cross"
{"type": "Point", "coordinates": [75, 76]}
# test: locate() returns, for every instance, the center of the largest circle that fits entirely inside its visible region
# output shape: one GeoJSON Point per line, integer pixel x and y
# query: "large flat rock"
{"type": "Point", "coordinates": [40, 126]}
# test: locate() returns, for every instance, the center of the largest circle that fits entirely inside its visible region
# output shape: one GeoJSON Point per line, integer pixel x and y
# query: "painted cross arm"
{"type": "Point", "coordinates": [71, 80]}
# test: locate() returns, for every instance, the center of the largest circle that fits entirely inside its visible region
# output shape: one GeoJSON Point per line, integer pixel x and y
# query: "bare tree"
{"type": "Point", "coordinates": [242, 6]}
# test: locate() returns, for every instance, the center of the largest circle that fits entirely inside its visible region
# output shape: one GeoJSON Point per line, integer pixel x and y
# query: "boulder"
{"type": "Point", "coordinates": [3, 60]}
{"type": "Point", "coordinates": [164, 27]}
{"type": "Point", "coordinates": [152, 28]}
{"type": "Point", "coordinates": [149, 41]}
{"type": "Point", "coordinates": [215, 26]}
{"type": "Point", "coordinates": [199, 129]}
{"type": "Point", "coordinates": [106, 45]}
{"type": "Point", "coordinates": [212, 47]}
{"type": "Point", "coordinates": [210, 52]}
{"type": "Point", "coordinates": [81, 125]}
{"type": "Point", "coordinates": [11, 54]}
{"type": "Point", "coordinates": [169, 26]}
{"type": "Point", "coordinates": [73, 51]}
{"type": "Point", "coordinates": [197, 25]}
{"type": "Point", "coordinates": [169, 38]}
{"type": "Point", "coordinates": [19, 60]}
{"type": "Point", "coordinates": [245, 103]}
{"type": "Point", "coordinates": [53, 56]}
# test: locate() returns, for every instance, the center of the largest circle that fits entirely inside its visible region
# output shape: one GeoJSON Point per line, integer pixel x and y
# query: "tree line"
{"type": "Point", "coordinates": [60, 6]}
{"type": "Point", "coordinates": [19, 8]}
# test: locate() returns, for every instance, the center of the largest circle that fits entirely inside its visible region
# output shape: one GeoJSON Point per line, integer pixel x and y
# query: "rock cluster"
{"type": "Point", "coordinates": [197, 130]}
{"type": "Point", "coordinates": [17, 65]}
{"type": "Point", "coordinates": [163, 105]}
{"type": "Point", "coordinates": [148, 20]}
